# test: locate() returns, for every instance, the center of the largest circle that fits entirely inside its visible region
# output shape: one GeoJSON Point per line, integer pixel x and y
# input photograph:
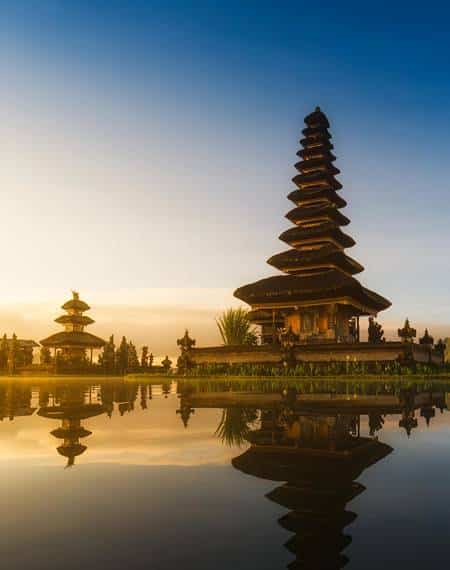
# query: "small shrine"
{"type": "Point", "coordinates": [71, 344]}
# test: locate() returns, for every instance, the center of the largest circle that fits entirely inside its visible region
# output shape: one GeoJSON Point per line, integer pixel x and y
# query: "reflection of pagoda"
{"type": "Point", "coordinates": [74, 341]}
{"type": "Point", "coordinates": [318, 458]}
{"type": "Point", "coordinates": [71, 411]}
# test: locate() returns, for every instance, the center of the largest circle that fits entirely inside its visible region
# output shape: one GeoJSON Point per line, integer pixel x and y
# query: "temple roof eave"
{"type": "Point", "coordinates": [294, 290]}
{"type": "Point", "coordinates": [73, 339]}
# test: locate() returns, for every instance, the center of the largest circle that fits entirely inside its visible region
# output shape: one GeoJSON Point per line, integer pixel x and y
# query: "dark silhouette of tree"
{"type": "Point", "coordinates": [375, 332]}
{"type": "Point", "coordinates": [4, 349]}
{"type": "Point", "coordinates": [166, 364]}
{"type": "Point", "coordinates": [235, 327]}
{"type": "Point", "coordinates": [45, 356]}
{"type": "Point", "coordinates": [440, 347]}
{"type": "Point", "coordinates": [144, 357]}
{"type": "Point", "coordinates": [107, 358]}
{"type": "Point", "coordinates": [426, 339]}
{"type": "Point", "coordinates": [12, 354]}
{"type": "Point", "coordinates": [122, 356]}
{"type": "Point", "coordinates": [133, 360]}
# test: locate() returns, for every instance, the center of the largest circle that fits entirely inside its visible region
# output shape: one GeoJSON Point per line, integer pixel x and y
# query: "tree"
{"type": "Point", "coordinates": [375, 332]}
{"type": "Point", "coordinates": [235, 327]}
{"type": "Point", "coordinates": [144, 357]}
{"type": "Point", "coordinates": [133, 360]}
{"type": "Point", "coordinates": [235, 425]}
{"type": "Point", "coordinates": [441, 347]}
{"type": "Point", "coordinates": [107, 358]}
{"type": "Point", "coordinates": [12, 354]}
{"type": "Point", "coordinates": [4, 349]}
{"type": "Point", "coordinates": [122, 356]}
{"type": "Point", "coordinates": [166, 364]}
{"type": "Point", "coordinates": [45, 356]}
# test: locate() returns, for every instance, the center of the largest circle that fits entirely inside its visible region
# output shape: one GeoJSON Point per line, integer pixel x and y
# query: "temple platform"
{"type": "Point", "coordinates": [323, 352]}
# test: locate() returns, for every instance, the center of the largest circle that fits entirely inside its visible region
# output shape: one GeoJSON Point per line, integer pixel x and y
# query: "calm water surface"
{"type": "Point", "coordinates": [125, 475]}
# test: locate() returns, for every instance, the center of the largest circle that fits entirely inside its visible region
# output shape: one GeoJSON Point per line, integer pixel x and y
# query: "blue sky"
{"type": "Point", "coordinates": [151, 144]}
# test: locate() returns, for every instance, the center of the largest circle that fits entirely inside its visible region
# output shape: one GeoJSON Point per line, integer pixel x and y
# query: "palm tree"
{"type": "Point", "coordinates": [235, 327]}
{"type": "Point", "coordinates": [235, 425]}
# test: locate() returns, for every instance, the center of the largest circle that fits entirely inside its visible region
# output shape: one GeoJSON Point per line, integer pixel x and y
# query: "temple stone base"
{"type": "Point", "coordinates": [326, 352]}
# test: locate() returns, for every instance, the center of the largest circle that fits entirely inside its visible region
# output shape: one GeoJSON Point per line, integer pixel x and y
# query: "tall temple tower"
{"type": "Point", "coordinates": [318, 295]}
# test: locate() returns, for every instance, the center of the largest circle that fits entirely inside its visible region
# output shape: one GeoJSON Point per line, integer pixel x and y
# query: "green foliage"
{"type": "Point", "coordinates": [235, 425]}
{"type": "Point", "coordinates": [330, 369]}
{"type": "Point", "coordinates": [235, 327]}
{"type": "Point", "coordinates": [144, 357]}
{"type": "Point", "coordinates": [4, 349]}
{"type": "Point", "coordinates": [132, 361]}
{"type": "Point", "coordinates": [45, 356]}
{"type": "Point", "coordinates": [122, 357]}
{"type": "Point", "coordinates": [166, 364]}
{"type": "Point", "coordinates": [107, 359]}
{"type": "Point", "coordinates": [12, 354]}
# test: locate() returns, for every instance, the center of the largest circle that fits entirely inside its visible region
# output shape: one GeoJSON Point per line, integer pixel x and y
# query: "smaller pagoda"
{"type": "Point", "coordinates": [71, 344]}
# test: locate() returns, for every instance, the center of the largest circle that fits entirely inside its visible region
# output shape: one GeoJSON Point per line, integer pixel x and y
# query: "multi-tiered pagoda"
{"type": "Point", "coordinates": [318, 296]}
{"type": "Point", "coordinates": [73, 342]}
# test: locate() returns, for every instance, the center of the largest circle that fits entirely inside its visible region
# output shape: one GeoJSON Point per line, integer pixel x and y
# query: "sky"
{"type": "Point", "coordinates": [147, 150]}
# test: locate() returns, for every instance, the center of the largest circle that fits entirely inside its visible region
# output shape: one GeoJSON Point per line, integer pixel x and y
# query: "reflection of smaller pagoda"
{"type": "Point", "coordinates": [71, 412]}
{"type": "Point", "coordinates": [74, 341]}
{"type": "Point", "coordinates": [71, 431]}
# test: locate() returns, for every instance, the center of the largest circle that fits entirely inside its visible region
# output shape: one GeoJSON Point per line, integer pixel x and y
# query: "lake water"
{"type": "Point", "coordinates": [116, 474]}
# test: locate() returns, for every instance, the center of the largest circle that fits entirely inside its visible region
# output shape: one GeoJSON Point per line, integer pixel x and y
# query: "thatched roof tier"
{"type": "Point", "coordinates": [322, 179]}
{"type": "Point", "coordinates": [314, 140]}
{"type": "Point", "coordinates": [325, 232]}
{"type": "Point", "coordinates": [74, 320]}
{"type": "Point", "coordinates": [317, 153]}
{"type": "Point", "coordinates": [320, 148]}
{"type": "Point", "coordinates": [72, 412]}
{"type": "Point", "coordinates": [73, 340]}
{"type": "Point", "coordinates": [293, 261]}
{"type": "Point", "coordinates": [320, 212]}
{"type": "Point", "coordinates": [75, 304]}
{"type": "Point", "coordinates": [300, 197]}
{"type": "Point", "coordinates": [295, 290]}
{"type": "Point", "coordinates": [311, 133]}
{"type": "Point", "coordinates": [281, 463]}
{"type": "Point", "coordinates": [316, 164]}
{"type": "Point", "coordinates": [298, 522]}
{"type": "Point", "coordinates": [71, 450]}
{"type": "Point", "coordinates": [317, 119]}
{"type": "Point", "coordinates": [70, 433]}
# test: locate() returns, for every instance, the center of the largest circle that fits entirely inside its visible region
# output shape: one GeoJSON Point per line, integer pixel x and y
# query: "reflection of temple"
{"type": "Point", "coordinates": [319, 458]}
{"type": "Point", "coordinates": [71, 410]}
{"type": "Point", "coordinates": [15, 401]}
